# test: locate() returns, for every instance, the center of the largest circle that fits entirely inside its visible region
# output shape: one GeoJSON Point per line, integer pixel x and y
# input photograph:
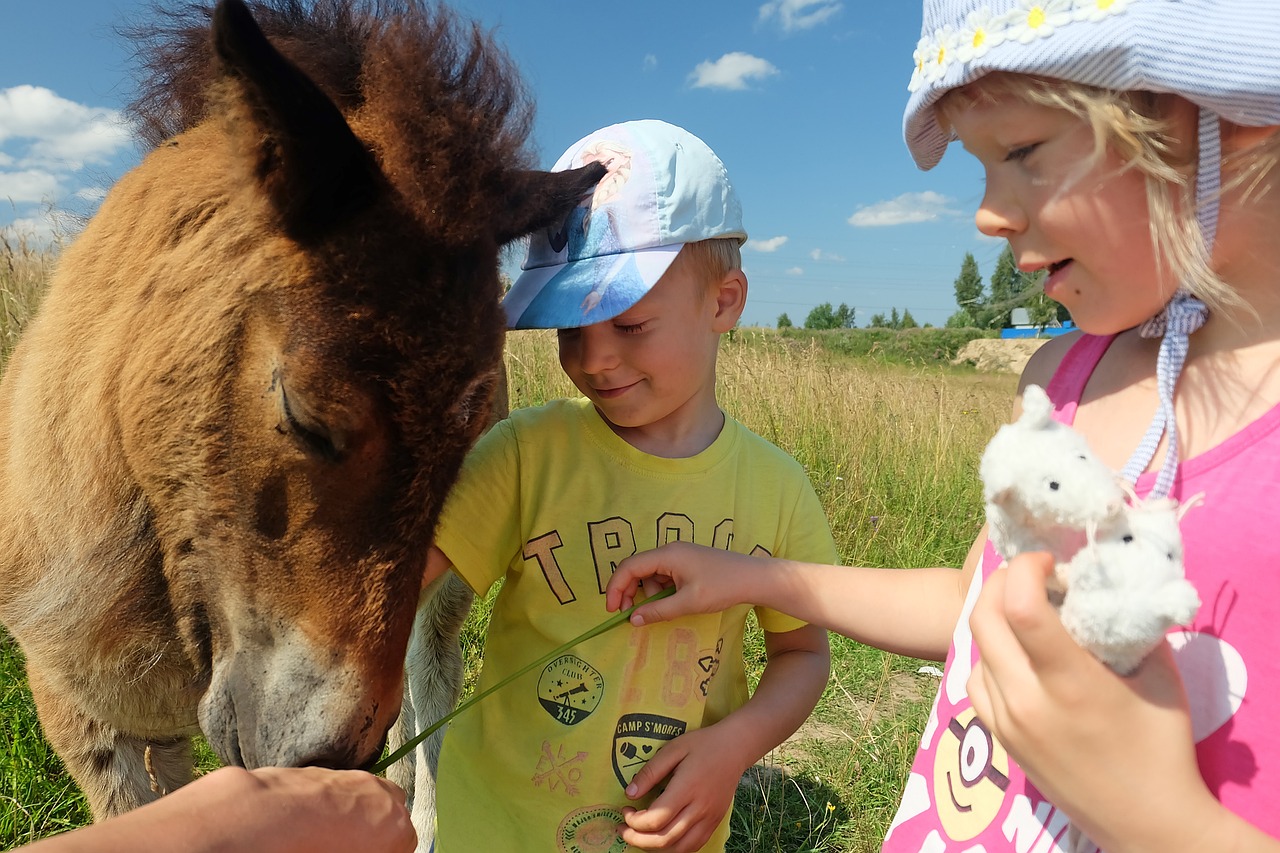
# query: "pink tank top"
{"type": "Point", "coordinates": [964, 792]}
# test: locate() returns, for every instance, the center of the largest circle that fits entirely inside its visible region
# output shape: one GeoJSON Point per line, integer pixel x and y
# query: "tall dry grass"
{"type": "Point", "coordinates": [25, 267]}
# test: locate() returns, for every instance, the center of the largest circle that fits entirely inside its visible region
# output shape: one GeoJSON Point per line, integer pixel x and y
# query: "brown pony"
{"type": "Point", "coordinates": [225, 439]}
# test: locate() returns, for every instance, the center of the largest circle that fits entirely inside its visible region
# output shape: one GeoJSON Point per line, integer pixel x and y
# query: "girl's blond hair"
{"type": "Point", "coordinates": [1135, 125]}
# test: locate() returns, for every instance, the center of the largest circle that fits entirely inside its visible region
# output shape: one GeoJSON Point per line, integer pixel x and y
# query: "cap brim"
{"type": "Point", "coordinates": [579, 293]}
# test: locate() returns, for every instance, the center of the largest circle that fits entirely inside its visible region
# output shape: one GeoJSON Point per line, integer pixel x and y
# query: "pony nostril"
{"type": "Point", "coordinates": [1053, 485]}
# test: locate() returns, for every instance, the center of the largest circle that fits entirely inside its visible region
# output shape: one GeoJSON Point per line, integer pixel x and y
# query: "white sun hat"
{"type": "Point", "coordinates": [1223, 55]}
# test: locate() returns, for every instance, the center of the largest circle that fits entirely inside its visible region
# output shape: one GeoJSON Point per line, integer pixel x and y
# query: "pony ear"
{"type": "Point", "coordinates": [542, 199]}
{"type": "Point", "coordinates": [311, 165]}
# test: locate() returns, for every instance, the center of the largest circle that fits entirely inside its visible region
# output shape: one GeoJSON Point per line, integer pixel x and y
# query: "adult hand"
{"type": "Point", "coordinates": [1086, 737]}
{"type": "Point", "coordinates": [270, 810]}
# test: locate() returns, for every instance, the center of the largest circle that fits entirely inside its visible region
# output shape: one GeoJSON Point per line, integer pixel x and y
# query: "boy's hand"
{"type": "Point", "coordinates": [702, 776]}
{"type": "Point", "coordinates": [707, 580]}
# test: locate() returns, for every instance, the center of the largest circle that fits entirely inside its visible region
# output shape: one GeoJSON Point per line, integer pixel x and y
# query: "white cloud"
{"type": "Point", "coordinates": [796, 271]}
{"type": "Point", "coordinates": [793, 15]}
{"type": "Point", "coordinates": [60, 131]}
{"type": "Point", "coordinates": [46, 144]}
{"type": "Point", "coordinates": [32, 230]}
{"type": "Point", "coordinates": [907, 208]}
{"type": "Point", "coordinates": [29, 185]}
{"type": "Point", "coordinates": [772, 244]}
{"type": "Point", "coordinates": [819, 255]}
{"type": "Point", "coordinates": [650, 62]}
{"type": "Point", "coordinates": [731, 71]}
{"type": "Point", "coordinates": [93, 194]}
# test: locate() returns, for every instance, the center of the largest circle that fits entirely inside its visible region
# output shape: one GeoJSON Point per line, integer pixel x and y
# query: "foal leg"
{"type": "Point", "coordinates": [112, 768]}
{"type": "Point", "coordinates": [433, 680]}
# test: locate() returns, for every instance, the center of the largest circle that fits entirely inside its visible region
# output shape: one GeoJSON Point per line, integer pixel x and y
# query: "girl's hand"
{"type": "Point", "coordinates": [708, 580]}
{"type": "Point", "coordinates": [1089, 739]}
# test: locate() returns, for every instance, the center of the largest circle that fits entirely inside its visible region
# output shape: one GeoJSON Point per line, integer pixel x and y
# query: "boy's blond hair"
{"type": "Point", "coordinates": [1135, 125]}
{"type": "Point", "coordinates": [711, 260]}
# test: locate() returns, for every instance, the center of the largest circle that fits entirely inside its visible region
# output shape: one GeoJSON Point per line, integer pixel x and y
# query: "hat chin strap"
{"type": "Point", "coordinates": [1180, 317]}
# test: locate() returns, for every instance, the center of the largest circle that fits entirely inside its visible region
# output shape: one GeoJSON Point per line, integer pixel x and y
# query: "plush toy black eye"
{"type": "Point", "coordinates": [1082, 456]}
{"type": "Point", "coordinates": [1053, 485]}
{"type": "Point", "coordinates": [1128, 538]}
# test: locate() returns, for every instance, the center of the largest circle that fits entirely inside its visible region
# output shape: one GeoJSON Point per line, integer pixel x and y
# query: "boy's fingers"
{"type": "Point", "coordinates": [653, 772]}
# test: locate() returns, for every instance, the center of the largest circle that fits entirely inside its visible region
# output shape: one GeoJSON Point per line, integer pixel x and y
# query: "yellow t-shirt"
{"type": "Point", "coordinates": [552, 500]}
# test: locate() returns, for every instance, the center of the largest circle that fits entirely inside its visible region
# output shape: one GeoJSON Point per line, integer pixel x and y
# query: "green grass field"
{"type": "Point", "coordinates": [891, 445]}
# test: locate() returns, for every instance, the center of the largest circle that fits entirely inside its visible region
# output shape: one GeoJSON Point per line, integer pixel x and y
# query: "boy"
{"type": "Point", "coordinates": [641, 281]}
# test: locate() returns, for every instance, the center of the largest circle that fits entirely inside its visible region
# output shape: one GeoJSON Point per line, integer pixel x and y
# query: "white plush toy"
{"type": "Point", "coordinates": [1119, 582]}
{"type": "Point", "coordinates": [1042, 484]}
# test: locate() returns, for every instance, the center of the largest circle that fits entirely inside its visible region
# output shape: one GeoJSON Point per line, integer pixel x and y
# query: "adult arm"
{"type": "Point", "coordinates": [270, 810]}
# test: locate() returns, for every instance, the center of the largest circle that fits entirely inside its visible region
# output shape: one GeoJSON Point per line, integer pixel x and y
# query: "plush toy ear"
{"type": "Point", "coordinates": [1037, 409]}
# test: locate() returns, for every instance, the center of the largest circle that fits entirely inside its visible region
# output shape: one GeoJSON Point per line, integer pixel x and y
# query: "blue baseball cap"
{"type": "Point", "coordinates": [664, 188]}
{"type": "Point", "coordinates": [1223, 55]}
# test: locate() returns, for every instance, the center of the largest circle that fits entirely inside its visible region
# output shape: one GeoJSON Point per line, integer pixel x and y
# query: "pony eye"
{"type": "Point", "coordinates": [315, 441]}
{"type": "Point", "coordinates": [1054, 485]}
{"type": "Point", "coordinates": [1128, 537]}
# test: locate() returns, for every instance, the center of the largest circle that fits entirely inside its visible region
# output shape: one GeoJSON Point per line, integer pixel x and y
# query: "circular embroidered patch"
{"type": "Point", "coordinates": [593, 829]}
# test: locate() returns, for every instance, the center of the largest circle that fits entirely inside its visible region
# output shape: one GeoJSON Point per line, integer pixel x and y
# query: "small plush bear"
{"type": "Point", "coordinates": [1118, 582]}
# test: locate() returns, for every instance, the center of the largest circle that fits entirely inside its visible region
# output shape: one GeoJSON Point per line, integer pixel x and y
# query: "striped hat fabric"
{"type": "Point", "coordinates": [1223, 55]}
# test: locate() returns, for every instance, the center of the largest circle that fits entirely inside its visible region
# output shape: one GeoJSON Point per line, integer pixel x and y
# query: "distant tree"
{"type": "Point", "coordinates": [908, 322]}
{"type": "Point", "coordinates": [968, 284]}
{"type": "Point", "coordinates": [962, 319]}
{"type": "Point", "coordinates": [895, 322]}
{"type": "Point", "coordinates": [844, 317]}
{"type": "Point", "coordinates": [877, 322]}
{"type": "Point", "coordinates": [1042, 310]}
{"type": "Point", "coordinates": [1005, 286]}
{"type": "Point", "coordinates": [784, 322]}
{"type": "Point", "coordinates": [822, 317]}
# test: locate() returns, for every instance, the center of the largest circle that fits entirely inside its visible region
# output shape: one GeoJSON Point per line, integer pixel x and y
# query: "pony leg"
{"type": "Point", "coordinates": [433, 680]}
{"type": "Point", "coordinates": [116, 771]}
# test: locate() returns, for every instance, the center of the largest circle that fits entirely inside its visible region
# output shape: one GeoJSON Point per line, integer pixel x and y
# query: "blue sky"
{"type": "Point", "coordinates": [802, 100]}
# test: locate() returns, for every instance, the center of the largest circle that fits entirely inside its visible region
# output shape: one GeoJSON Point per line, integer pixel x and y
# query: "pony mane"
{"type": "Point", "coordinates": [439, 103]}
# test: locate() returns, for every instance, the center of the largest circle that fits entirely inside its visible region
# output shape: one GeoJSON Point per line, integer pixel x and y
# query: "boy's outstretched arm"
{"type": "Point", "coordinates": [1093, 742]}
{"type": "Point", "coordinates": [907, 611]}
{"type": "Point", "coordinates": [702, 768]}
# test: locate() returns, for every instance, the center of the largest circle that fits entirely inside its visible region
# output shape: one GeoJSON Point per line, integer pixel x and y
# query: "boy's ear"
{"type": "Point", "coordinates": [731, 299]}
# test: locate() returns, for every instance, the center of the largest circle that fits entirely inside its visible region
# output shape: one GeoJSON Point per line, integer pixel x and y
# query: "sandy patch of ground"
{"type": "Point", "coordinates": [1005, 355]}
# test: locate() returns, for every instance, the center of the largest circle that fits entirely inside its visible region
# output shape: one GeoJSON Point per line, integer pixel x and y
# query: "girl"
{"type": "Point", "coordinates": [1129, 148]}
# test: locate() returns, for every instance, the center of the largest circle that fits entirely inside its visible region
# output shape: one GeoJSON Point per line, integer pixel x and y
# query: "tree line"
{"type": "Point", "coordinates": [978, 306]}
{"type": "Point", "coordinates": [1010, 288]}
{"type": "Point", "coordinates": [826, 317]}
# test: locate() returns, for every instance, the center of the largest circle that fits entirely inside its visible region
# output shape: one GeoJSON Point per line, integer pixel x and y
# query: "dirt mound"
{"type": "Point", "coordinates": [1004, 355]}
